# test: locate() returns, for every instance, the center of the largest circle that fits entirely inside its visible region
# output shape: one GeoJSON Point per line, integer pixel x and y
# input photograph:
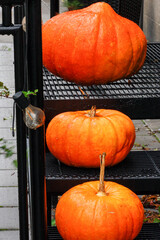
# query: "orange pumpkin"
{"type": "Point", "coordinates": [77, 138]}
{"type": "Point", "coordinates": [105, 211]}
{"type": "Point", "coordinates": [93, 45]}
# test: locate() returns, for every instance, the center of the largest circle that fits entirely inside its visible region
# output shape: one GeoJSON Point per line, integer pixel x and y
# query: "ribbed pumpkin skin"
{"type": "Point", "coordinates": [82, 215]}
{"type": "Point", "coordinates": [93, 45]}
{"type": "Point", "coordinates": [77, 139]}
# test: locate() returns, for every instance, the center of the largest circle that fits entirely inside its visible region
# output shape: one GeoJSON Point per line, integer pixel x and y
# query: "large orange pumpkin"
{"type": "Point", "coordinates": [77, 138]}
{"type": "Point", "coordinates": [105, 211]}
{"type": "Point", "coordinates": [93, 45]}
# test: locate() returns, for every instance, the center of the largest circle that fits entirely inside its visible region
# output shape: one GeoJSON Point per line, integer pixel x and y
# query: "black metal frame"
{"type": "Point", "coordinates": [54, 7]}
{"type": "Point", "coordinates": [33, 74]}
{"type": "Point", "coordinates": [36, 138]}
{"type": "Point", "coordinates": [16, 30]}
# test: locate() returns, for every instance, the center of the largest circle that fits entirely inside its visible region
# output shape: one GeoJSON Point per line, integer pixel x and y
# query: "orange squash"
{"type": "Point", "coordinates": [93, 45]}
{"type": "Point", "coordinates": [77, 138]}
{"type": "Point", "coordinates": [99, 211]}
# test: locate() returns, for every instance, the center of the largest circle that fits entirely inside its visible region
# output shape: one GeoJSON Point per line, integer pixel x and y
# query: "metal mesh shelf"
{"type": "Point", "coordinates": [148, 232]}
{"type": "Point", "coordinates": [140, 172]}
{"type": "Point", "coordinates": [129, 11]}
{"type": "Point", "coordinates": [145, 84]}
{"type": "Point", "coordinates": [138, 96]}
{"type": "Point", "coordinates": [114, 3]}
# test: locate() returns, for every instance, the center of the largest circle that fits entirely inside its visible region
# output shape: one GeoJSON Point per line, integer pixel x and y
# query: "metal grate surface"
{"type": "Point", "coordinates": [145, 84]}
{"type": "Point", "coordinates": [131, 9]}
{"type": "Point", "coordinates": [138, 164]}
{"type": "Point", "coordinates": [113, 3]}
{"type": "Point", "coordinates": [53, 234]}
{"type": "Point", "coordinates": [148, 232]}
{"type": "Point", "coordinates": [140, 171]}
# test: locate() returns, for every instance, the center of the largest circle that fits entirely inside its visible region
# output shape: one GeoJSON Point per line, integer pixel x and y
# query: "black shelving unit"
{"type": "Point", "coordinates": [140, 172]}
{"type": "Point", "coordinates": [138, 97]}
{"type": "Point", "coordinates": [148, 232]}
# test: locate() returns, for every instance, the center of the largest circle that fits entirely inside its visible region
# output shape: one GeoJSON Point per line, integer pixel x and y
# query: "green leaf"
{"type": "Point", "coordinates": [4, 147]}
{"type": "Point", "coordinates": [1, 84]}
{"type": "Point", "coordinates": [5, 88]}
{"type": "Point", "coordinates": [15, 163]}
{"type": "Point", "coordinates": [8, 151]}
{"type": "Point", "coordinates": [53, 222]}
{"type": "Point", "coordinates": [159, 209]}
{"type": "Point", "coordinates": [145, 220]}
{"type": "Point", "coordinates": [7, 118]}
{"type": "Point", "coordinates": [26, 94]}
{"type": "Point", "coordinates": [9, 154]}
{"type": "Point", "coordinates": [156, 220]}
{"type": "Point", "coordinates": [137, 145]}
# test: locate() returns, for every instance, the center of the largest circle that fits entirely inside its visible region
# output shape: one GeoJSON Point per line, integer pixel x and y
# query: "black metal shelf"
{"type": "Point", "coordinates": [129, 11]}
{"type": "Point", "coordinates": [149, 231]}
{"type": "Point", "coordinates": [115, 4]}
{"type": "Point", "coordinates": [140, 172]}
{"type": "Point", "coordinates": [138, 96]}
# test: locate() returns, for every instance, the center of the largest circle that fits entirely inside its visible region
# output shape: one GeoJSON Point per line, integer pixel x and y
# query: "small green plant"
{"type": "Point", "coordinates": [4, 149]}
{"type": "Point", "coordinates": [72, 4]}
{"type": "Point", "coordinates": [137, 145]}
{"type": "Point", "coordinates": [5, 48]}
{"type": "Point", "coordinates": [28, 93]}
{"type": "Point", "coordinates": [152, 216]}
{"type": "Point", "coordinates": [53, 222]}
{"type": "Point", "coordinates": [7, 118]}
{"type": "Point", "coordinates": [157, 220]}
{"type": "Point", "coordinates": [15, 163]}
{"type": "Point", "coordinates": [4, 91]}
{"type": "Point", "coordinates": [8, 151]}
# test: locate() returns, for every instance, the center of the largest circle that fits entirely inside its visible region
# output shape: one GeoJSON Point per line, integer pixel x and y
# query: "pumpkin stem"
{"type": "Point", "coordinates": [92, 112]}
{"type": "Point", "coordinates": [101, 190]}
